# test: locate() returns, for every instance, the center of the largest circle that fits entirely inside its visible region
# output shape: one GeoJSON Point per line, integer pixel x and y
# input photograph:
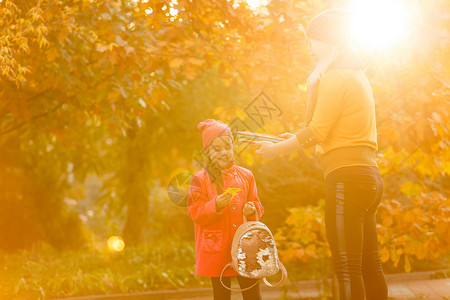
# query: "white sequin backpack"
{"type": "Point", "coordinates": [254, 254]}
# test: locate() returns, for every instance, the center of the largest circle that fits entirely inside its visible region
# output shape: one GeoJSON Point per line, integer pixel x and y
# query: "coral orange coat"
{"type": "Point", "coordinates": [214, 231]}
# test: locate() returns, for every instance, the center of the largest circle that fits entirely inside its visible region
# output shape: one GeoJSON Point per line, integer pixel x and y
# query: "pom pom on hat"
{"type": "Point", "coordinates": [331, 26]}
{"type": "Point", "coordinates": [211, 129]}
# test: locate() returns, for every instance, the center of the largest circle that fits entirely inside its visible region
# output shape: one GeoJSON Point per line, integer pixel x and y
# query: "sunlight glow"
{"type": "Point", "coordinates": [379, 24]}
{"type": "Point", "coordinates": [255, 4]}
{"type": "Point", "coordinates": [115, 244]}
{"type": "Point", "coordinates": [148, 11]}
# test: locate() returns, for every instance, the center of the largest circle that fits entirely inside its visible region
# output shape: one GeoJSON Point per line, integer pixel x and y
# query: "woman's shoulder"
{"type": "Point", "coordinates": [336, 73]}
{"type": "Point", "coordinates": [340, 77]}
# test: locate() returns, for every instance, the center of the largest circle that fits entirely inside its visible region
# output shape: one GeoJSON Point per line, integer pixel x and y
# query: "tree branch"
{"type": "Point", "coordinates": [32, 119]}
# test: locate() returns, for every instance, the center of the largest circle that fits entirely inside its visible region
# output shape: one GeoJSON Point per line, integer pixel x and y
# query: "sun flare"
{"type": "Point", "coordinates": [379, 24]}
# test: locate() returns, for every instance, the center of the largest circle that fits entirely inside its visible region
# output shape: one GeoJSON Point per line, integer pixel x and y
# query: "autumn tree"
{"type": "Point", "coordinates": [95, 86]}
{"type": "Point", "coordinates": [116, 88]}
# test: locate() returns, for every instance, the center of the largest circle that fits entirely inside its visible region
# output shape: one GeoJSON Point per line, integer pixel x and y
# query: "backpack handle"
{"type": "Point", "coordinates": [256, 214]}
{"type": "Point", "coordinates": [283, 279]}
{"type": "Point", "coordinates": [235, 290]}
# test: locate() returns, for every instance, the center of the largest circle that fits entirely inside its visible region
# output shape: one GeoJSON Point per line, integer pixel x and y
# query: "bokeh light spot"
{"type": "Point", "coordinates": [115, 244]}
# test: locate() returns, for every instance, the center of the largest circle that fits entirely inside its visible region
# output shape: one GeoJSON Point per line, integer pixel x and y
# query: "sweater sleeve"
{"type": "Point", "coordinates": [306, 138]}
{"type": "Point", "coordinates": [253, 197]}
{"type": "Point", "coordinates": [329, 105]}
{"type": "Point", "coordinates": [201, 209]}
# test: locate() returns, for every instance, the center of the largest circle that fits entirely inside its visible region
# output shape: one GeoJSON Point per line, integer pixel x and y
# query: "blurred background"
{"type": "Point", "coordinates": [99, 103]}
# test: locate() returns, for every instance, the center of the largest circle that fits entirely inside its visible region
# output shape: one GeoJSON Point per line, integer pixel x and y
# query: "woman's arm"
{"type": "Point", "coordinates": [326, 112]}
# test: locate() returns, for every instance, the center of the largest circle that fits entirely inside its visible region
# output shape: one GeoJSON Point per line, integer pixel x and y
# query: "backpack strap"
{"type": "Point", "coordinates": [235, 290]}
{"type": "Point", "coordinates": [283, 279]}
{"type": "Point", "coordinates": [256, 214]}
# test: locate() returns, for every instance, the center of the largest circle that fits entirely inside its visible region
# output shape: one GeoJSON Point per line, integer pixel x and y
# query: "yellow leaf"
{"type": "Point", "coordinates": [232, 191]}
{"type": "Point", "coordinates": [129, 49]}
{"type": "Point", "coordinates": [388, 221]}
{"type": "Point", "coordinates": [111, 46]}
{"type": "Point", "coordinates": [196, 61]}
{"type": "Point", "coordinates": [409, 217]}
{"type": "Point", "coordinates": [113, 95]}
{"type": "Point", "coordinates": [302, 87]}
{"type": "Point", "coordinates": [410, 189]}
{"type": "Point", "coordinates": [43, 43]}
{"type": "Point", "coordinates": [384, 254]}
{"type": "Point", "coordinates": [51, 54]}
{"type": "Point", "coordinates": [311, 250]}
{"type": "Point", "coordinates": [218, 110]}
{"type": "Point", "coordinates": [441, 228]}
{"type": "Point", "coordinates": [190, 73]}
{"type": "Point", "coordinates": [175, 63]}
{"type": "Point", "coordinates": [241, 114]}
{"type": "Point", "coordinates": [101, 48]}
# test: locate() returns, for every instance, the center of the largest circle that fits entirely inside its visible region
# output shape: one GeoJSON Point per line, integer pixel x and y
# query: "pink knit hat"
{"type": "Point", "coordinates": [212, 129]}
{"type": "Point", "coordinates": [331, 26]}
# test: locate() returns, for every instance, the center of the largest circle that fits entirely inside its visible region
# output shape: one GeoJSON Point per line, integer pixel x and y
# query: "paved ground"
{"type": "Point", "coordinates": [401, 286]}
{"type": "Point", "coordinates": [436, 289]}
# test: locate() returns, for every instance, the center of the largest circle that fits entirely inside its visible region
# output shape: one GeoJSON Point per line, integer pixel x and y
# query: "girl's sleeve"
{"type": "Point", "coordinates": [253, 197]}
{"type": "Point", "coordinates": [201, 209]}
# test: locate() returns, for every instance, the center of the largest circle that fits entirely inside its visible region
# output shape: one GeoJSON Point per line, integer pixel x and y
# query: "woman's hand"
{"type": "Point", "coordinates": [286, 135]}
{"type": "Point", "coordinates": [270, 150]}
{"type": "Point", "coordinates": [249, 209]}
{"type": "Point", "coordinates": [222, 200]}
{"type": "Point", "coordinates": [267, 149]}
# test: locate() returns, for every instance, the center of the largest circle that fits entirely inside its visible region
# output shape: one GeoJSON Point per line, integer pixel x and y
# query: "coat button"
{"type": "Point", "coordinates": [234, 225]}
{"type": "Point", "coordinates": [234, 207]}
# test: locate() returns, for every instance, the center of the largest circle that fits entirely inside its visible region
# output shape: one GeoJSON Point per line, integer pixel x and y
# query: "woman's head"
{"type": "Point", "coordinates": [329, 35]}
{"type": "Point", "coordinates": [217, 142]}
{"type": "Point", "coordinates": [324, 55]}
{"type": "Point", "coordinates": [331, 27]}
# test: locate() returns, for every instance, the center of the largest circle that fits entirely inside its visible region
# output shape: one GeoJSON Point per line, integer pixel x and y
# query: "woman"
{"type": "Point", "coordinates": [340, 122]}
{"type": "Point", "coordinates": [217, 214]}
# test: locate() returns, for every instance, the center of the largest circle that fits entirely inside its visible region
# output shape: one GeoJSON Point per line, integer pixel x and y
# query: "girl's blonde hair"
{"type": "Point", "coordinates": [326, 55]}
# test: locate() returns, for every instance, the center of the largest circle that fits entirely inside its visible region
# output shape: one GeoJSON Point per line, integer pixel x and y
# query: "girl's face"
{"type": "Point", "coordinates": [221, 152]}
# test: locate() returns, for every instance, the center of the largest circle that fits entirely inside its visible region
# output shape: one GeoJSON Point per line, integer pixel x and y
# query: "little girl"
{"type": "Point", "coordinates": [216, 213]}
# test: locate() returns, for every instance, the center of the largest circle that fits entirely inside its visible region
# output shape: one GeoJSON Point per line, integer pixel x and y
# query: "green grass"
{"type": "Point", "coordinates": [45, 273]}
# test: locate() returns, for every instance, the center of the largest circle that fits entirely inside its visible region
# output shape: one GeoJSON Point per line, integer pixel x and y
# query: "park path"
{"type": "Point", "coordinates": [401, 286]}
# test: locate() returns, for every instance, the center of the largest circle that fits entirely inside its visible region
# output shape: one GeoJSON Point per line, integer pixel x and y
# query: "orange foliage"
{"type": "Point", "coordinates": [420, 230]}
{"type": "Point", "coordinates": [303, 235]}
{"type": "Point", "coordinates": [113, 87]}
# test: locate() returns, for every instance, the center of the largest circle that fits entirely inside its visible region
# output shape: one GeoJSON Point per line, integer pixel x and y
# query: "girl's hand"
{"type": "Point", "coordinates": [267, 149]}
{"type": "Point", "coordinates": [222, 200]}
{"type": "Point", "coordinates": [286, 135]}
{"type": "Point", "coordinates": [249, 209]}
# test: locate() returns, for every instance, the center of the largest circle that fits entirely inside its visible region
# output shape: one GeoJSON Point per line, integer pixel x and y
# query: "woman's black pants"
{"type": "Point", "coordinates": [221, 293]}
{"type": "Point", "coordinates": [353, 195]}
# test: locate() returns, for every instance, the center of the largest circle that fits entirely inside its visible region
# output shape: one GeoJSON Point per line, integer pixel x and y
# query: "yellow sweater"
{"type": "Point", "coordinates": [344, 120]}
